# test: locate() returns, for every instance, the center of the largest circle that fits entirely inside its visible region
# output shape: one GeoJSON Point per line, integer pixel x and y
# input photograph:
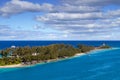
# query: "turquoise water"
{"type": "Point", "coordinates": [98, 65]}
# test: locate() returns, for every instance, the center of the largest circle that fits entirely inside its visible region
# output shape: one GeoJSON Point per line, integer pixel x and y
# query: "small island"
{"type": "Point", "coordinates": [25, 56]}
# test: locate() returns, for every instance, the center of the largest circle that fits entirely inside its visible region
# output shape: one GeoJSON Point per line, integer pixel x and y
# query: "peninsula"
{"type": "Point", "coordinates": [24, 56]}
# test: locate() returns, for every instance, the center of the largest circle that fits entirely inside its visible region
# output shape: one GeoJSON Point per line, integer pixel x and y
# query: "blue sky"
{"type": "Point", "coordinates": [59, 20]}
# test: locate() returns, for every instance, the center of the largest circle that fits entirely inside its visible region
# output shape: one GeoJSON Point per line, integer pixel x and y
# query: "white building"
{"type": "Point", "coordinates": [34, 54]}
{"type": "Point", "coordinates": [13, 46]}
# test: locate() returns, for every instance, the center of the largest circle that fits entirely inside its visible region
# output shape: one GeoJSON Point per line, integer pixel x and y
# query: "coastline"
{"type": "Point", "coordinates": [48, 61]}
{"type": "Point", "coordinates": [12, 66]}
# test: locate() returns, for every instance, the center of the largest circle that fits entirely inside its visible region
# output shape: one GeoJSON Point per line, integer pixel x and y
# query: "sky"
{"type": "Point", "coordinates": [59, 19]}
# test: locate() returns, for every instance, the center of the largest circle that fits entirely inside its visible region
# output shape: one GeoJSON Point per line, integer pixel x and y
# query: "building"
{"type": "Point", "coordinates": [13, 46]}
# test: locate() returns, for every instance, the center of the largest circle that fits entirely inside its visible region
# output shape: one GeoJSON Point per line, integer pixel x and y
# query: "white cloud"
{"type": "Point", "coordinates": [95, 3]}
{"type": "Point", "coordinates": [73, 19]}
{"type": "Point", "coordinates": [75, 8]}
{"type": "Point", "coordinates": [69, 16]}
{"type": "Point", "coordinates": [83, 17]}
{"type": "Point", "coordinates": [47, 7]}
{"type": "Point", "coordinates": [18, 6]}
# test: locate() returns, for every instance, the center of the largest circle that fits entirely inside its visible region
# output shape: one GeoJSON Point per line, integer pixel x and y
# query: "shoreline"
{"type": "Point", "coordinates": [12, 66]}
{"type": "Point", "coordinates": [48, 61]}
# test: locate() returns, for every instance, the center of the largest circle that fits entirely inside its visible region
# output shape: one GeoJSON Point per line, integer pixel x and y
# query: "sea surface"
{"type": "Point", "coordinates": [98, 65]}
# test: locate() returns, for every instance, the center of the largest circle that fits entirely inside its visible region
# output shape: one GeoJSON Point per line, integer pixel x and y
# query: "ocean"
{"type": "Point", "coordinates": [6, 44]}
{"type": "Point", "coordinates": [98, 65]}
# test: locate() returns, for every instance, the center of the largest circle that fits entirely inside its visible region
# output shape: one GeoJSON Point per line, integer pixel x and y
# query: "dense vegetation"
{"type": "Point", "coordinates": [85, 48]}
{"type": "Point", "coordinates": [32, 55]}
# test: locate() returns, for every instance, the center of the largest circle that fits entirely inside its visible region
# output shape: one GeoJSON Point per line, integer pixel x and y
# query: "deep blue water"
{"type": "Point", "coordinates": [5, 44]}
{"type": "Point", "coordinates": [99, 65]}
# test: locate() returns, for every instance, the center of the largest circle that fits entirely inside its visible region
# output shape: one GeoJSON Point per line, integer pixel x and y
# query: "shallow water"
{"type": "Point", "coordinates": [99, 65]}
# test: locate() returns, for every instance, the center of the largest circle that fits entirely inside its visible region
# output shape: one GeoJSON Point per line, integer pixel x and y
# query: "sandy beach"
{"type": "Point", "coordinates": [79, 54]}
{"type": "Point", "coordinates": [12, 66]}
